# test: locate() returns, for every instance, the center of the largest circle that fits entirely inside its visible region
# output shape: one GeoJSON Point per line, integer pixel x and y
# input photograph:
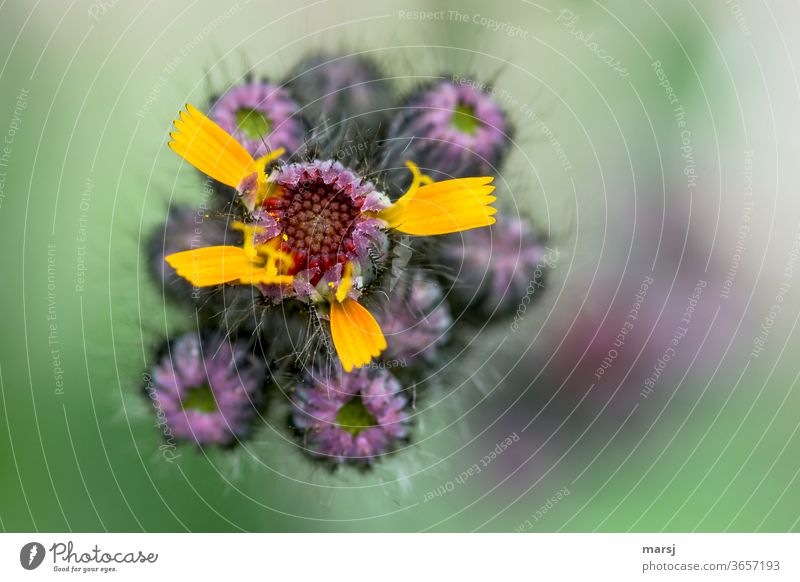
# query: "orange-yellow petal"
{"type": "Point", "coordinates": [210, 149]}
{"type": "Point", "coordinates": [209, 266]}
{"type": "Point", "coordinates": [356, 335]}
{"type": "Point", "coordinates": [443, 207]}
{"type": "Point", "coordinates": [259, 276]}
{"type": "Point", "coordinates": [346, 283]}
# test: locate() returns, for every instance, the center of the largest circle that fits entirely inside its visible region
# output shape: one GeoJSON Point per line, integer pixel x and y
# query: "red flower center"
{"type": "Point", "coordinates": [317, 221]}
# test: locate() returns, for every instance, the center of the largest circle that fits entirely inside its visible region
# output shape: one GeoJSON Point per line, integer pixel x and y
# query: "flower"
{"type": "Point", "coordinates": [494, 268]}
{"type": "Point", "coordinates": [295, 232]}
{"type": "Point", "coordinates": [416, 320]}
{"type": "Point", "coordinates": [342, 88]}
{"type": "Point", "coordinates": [457, 129]}
{"type": "Point", "coordinates": [327, 214]}
{"type": "Point", "coordinates": [355, 418]}
{"type": "Point", "coordinates": [262, 116]}
{"type": "Point", "coordinates": [207, 388]}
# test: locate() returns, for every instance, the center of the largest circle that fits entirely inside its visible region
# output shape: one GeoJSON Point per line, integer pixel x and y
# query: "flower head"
{"type": "Point", "coordinates": [324, 215]}
{"type": "Point", "coordinates": [207, 388]}
{"type": "Point", "coordinates": [458, 129]}
{"type": "Point", "coordinates": [312, 227]}
{"type": "Point", "coordinates": [416, 320]}
{"type": "Point", "coordinates": [342, 88]}
{"type": "Point", "coordinates": [353, 418]}
{"type": "Point", "coordinates": [494, 268]}
{"type": "Point", "coordinates": [261, 116]}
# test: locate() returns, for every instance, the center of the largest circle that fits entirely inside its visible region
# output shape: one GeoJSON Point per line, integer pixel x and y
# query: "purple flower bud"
{"type": "Point", "coordinates": [450, 129]}
{"type": "Point", "coordinates": [353, 417]}
{"type": "Point", "coordinates": [337, 89]}
{"type": "Point", "coordinates": [261, 116]}
{"type": "Point", "coordinates": [415, 320]}
{"type": "Point", "coordinates": [206, 389]}
{"type": "Point", "coordinates": [496, 268]}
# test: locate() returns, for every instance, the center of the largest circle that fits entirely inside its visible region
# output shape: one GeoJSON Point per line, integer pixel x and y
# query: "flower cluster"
{"type": "Point", "coordinates": [315, 247]}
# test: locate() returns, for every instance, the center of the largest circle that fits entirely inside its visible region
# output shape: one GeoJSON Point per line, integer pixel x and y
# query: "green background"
{"type": "Point", "coordinates": [88, 94]}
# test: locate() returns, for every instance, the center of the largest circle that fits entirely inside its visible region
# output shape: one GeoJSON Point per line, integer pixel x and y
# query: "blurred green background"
{"type": "Point", "coordinates": [88, 93]}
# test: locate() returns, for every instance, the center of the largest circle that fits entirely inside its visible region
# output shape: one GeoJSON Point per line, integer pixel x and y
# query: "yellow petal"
{"type": "Point", "coordinates": [214, 132]}
{"type": "Point", "coordinates": [346, 283]}
{"type": "Point", "coordinates": [443, 207]}
{"type": "Point", "coordinates": [210, 149]}
{"type": "Point", "coordinates": [356, 335]}
{"type": "Point", "coordinates": [209, 266]}
{"type": "Point", "coordinates": [259, 276]}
